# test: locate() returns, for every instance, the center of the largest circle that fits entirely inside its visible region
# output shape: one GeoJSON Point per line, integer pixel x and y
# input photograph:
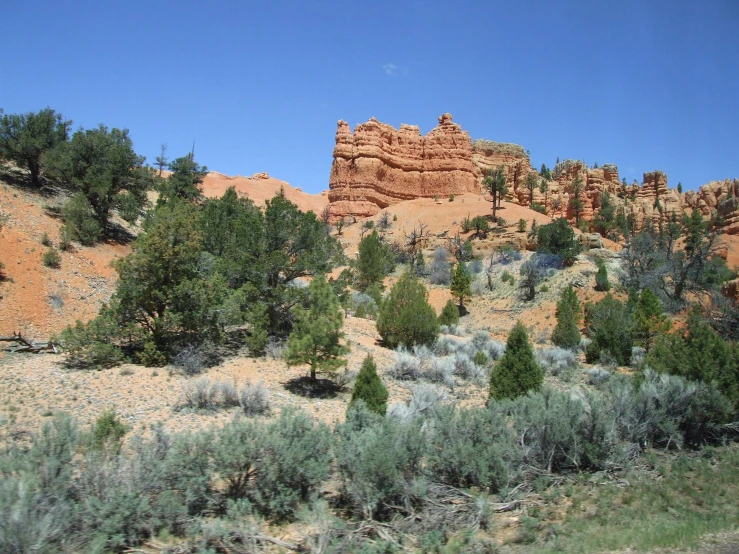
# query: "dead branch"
{"type": "Point", "coordinates": [24, 345]}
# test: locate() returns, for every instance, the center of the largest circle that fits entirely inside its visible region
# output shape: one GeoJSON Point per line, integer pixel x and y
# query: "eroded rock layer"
{"type": "Point", "coordinates": [378, 165]}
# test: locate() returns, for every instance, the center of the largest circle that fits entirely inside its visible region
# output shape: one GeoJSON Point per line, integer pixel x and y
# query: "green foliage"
{"type": "Point", "coordinates": [316, 336]}
{"type": "Point", "coordinates": [481, 225]}
{"type": "Point", "coordinates": [540, 208]}
{"type": "Point", "coordinates": [449, 314]}
{"type": "Point", "coordinates": [151, 356]}
{"type": "Point", "coordinates": [26, 138]}
{"type": "Point", "coordinates": [652, 261]}
{"type": "Point", "coordinates": [516, 372]}
{"type": "Point", "coordinates": [679, 188]}
{"type": "Point", "coordinates": [480, 359]}
{"type": "Point", "coordinates": [375, 261]}
{"type": "Point", "coordinates": [81, 223]}
{"type": "Point", "coordinates": [90, 345]}
{"type": "Point", "coordinates": [576, 189]}
{"type": "Point", "coordinates": [451, 198]}
{"type": "Point", "coordinates": [649, 320]}
{"type": "Point", "coordinates": [369, 389]}
{"type": "Point", "coordinates": [601, 278]}
{"type": "Point", "coordinates": [609, 324]}
{"type": "Point", "coordinates": [108, 431]}
{"type": "Point", "coordinates": [160, 290]}
{"type": "Point", "coordinates": [522, 225]}
{"type": "Point", "coordinates": [506, 277]}
{"type": "Point", "coordinates": [52, 258]}
{"type": "Point", "coordinates": [530, 279]}
{"type": "Point", "coordinates": [461, 283]}
{"type": "Point", "coordinates": [406, 318]}
{"type": "Point", "coordinates": [558, 238]}
{"type": "Point", "coordinates": [698, 354]}
{"type": "Point", "coordinates": [45, 240]}
{"type": "Point", "coordinates": [105, 174]}
{"type": "Point", "coordinates": [566, 333]}
{"type": "Point", "coordinates": [184, 181]}
{"type": "Point", "coordinates": [604, 221]}
{"type": "Point", "coordinates": [531, 183]}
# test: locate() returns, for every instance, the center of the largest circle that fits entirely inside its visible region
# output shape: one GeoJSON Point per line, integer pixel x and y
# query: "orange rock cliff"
{"type": "Point", "coordinates": [377, 166]}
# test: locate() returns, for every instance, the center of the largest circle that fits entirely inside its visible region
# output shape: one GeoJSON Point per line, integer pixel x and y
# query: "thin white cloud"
{"type": "Point", "coordinates": [392, 70]}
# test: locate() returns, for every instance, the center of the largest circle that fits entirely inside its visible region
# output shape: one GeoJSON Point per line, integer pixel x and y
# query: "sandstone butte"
{"type": "Point", "coordinates": [377, 166]}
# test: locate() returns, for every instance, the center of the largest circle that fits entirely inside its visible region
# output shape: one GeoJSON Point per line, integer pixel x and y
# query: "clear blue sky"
{"type": "Point", "coordinates": [259, 86]}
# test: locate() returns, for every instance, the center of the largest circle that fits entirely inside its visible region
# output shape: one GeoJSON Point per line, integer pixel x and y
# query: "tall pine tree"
{"type": "Point", "coordinates": [461, 284]}
{"type": "Point", "coordinates": [316, 336]}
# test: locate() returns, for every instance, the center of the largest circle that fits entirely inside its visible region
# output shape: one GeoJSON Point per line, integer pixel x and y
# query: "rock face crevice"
{"type": "Point", "coordinates": [378, 165]}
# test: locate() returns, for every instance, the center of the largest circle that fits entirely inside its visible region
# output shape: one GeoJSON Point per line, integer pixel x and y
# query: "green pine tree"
{"type": "Point", "coordinates": [461, 283]}
{"type": "Point", "coordinates": [371, 263]}
{"type": "Point", "coordinates": [421, 270]}
{"type": "Point", "coordinates": [517, 371]}
{"type": "Point", "coordinates": [369, 388]}
{"type": "Point", "coordinates": [649, 320]}
{"type": "Point", "coordinates": [316, 336]}
{"type": "Point", "coordinates": [405, 316]}
{"type": "Point", "coordinates": [569, 296]}
{"type": "Point", "coordinates": [449, 314]}
{"type": "Point", "coordinates": [601, 278]}
{"type": "Point", "coordinates": [566, 334]}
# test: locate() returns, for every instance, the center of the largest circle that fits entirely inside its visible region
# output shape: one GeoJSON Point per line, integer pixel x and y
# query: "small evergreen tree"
{"type": "Point", "coordinates": [372, 261]}
{"type": "Point", "coordinates": [316, 336]}
{"type": "Point", "coordinates": [185, 180]}
{"type": "Point", "coordinates": [565, 334]}
{"type": "Point", "coordinates": [461, 283]}
{"type": "Point", "coordinates": [601, 278]}
{"type": "Point", "coordinates": [420, 264]}
{"type": "Point", "coordinates": [405, 316]}
{"type": "Point", "coordinates": [558, 238]}
{"type": "Point", "coordinates": [679, 188]}
{"type": "Point", "coordinates": [449, 314]}
{"type": "Point", "coordinates": [610, 328]}
{"type": "Point", "coordinates": [369, 388]}
{"type": "Point", "coordinates": [569, 296]}
{"type": "Point", "coordinates": [517, 371]}
{"type": "Point", "coordinates": [649, 320]}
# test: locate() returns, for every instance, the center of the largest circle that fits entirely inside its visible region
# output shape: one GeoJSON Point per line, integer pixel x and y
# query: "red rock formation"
{"type": "Point", "coordinates": [488, 154]}
{"type": "Point", "coordinates": [377, 165]}
{"type": "Point", "coordinates": [720, 196]}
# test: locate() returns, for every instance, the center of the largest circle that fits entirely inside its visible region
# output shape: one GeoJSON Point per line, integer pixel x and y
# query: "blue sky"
{"type": "Point", "coordinates": [259, 86]}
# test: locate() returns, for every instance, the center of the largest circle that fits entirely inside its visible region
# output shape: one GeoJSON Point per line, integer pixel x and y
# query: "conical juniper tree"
{"type": "Point", "coordinates": [517, 371]}
{"type": "Point", "coordinates": [405, 316]}
{"type": "Point", "coordinates": [316, 336]}
{"type": "Point", "coordinates": [369, 388]}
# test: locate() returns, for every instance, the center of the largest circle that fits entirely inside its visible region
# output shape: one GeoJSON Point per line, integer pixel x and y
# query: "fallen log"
{"type": "Point", "coordinates": [24, 345]}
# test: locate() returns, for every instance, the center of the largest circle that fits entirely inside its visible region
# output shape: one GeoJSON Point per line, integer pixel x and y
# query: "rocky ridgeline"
{"type": "Point", "coordinates": [377, 166]}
